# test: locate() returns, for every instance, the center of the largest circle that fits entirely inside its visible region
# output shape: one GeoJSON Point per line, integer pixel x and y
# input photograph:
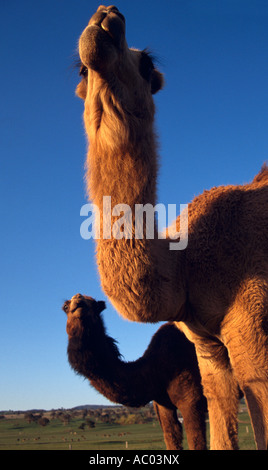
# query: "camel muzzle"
{"type": "Point", "coordinates": [104, 33]}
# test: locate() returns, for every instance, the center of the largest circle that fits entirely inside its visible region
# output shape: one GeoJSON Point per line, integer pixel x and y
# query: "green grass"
{"type": "Point", "coordinates": [17, 434]}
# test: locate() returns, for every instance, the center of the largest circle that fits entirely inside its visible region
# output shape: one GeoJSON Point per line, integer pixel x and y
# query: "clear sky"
{"type": "Point", "coordinates": [212, 121]}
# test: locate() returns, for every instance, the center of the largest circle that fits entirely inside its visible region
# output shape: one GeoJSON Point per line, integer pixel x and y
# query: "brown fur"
{"type": "Point", "coordinates": [262, 176]}
{"type": "Point", "coordinates": [217, 289]}
{"type": "Point", "coordinates": [167, 372]}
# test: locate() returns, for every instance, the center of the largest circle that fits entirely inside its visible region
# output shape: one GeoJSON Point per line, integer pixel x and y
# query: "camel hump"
{"type": "Point", "coordinates": [262, 176]}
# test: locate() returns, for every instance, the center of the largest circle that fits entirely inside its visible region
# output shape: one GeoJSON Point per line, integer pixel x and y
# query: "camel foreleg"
{"type": "Point", "coordinates": [245, 333]}
{"type": "Point", "coordinates": [171, 427]}
{"type": "Point", "coordinates": [221, 391]}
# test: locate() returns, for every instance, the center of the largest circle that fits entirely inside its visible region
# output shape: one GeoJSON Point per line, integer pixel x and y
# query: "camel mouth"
{"type": "Point", "coordinates": [113, 26]}
{"type": "Point", "coordinates": [105, 32]}
{"type": "Point", "coordinates": [111, 21]}
{"type": "Point", "coordinates": [77, 304]}
{"type": "Point", "coordinates": [99, 32]}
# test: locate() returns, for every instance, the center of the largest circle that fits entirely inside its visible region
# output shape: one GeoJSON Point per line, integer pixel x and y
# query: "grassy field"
{"type": "Point", "coordinates": [17, 434]}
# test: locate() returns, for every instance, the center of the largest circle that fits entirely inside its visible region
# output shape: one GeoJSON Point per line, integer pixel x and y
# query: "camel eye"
{"type": "Point", "coordinates": [83, 71]}
{"type": "Point", "coordinates": [65, 307]}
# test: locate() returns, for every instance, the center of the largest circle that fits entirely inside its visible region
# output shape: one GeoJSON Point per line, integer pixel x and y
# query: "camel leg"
{"type": "Point", "coordinates": [193, 413]}
{"type": "Point", "coordinates": [256, 397]}
{"type": "Point", "coordinates": [253, 382]}
{"type": "Point", "coordinates": [171, 427]}
{"type": "Point", "coordinates": [246, 340]}
{"type": "Point", "coordinates": [221, 391]}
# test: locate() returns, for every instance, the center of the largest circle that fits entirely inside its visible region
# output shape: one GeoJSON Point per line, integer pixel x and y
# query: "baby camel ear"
{"type": "Point", "coordinates": [157, 81]}
{"type": "Point", "coordinates": [101, 306]}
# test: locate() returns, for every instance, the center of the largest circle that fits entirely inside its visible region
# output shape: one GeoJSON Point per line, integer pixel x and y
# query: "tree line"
{"type": "Point", "coordinates": [91, 417]}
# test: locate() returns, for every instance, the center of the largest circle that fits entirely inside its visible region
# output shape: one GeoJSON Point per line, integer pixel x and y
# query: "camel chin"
{"type": "Point", "coordinates": [78, 312]}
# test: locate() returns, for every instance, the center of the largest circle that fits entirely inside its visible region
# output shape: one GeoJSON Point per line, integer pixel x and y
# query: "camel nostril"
{"type": "Point", "coordinates": [77, 297]}
{"type": "Point", "coordinates": [98, 18]}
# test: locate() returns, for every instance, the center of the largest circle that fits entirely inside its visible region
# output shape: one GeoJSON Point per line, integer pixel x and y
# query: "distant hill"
{"type": "Point", "coordinates": [94, 407]}
{"type": "Point", "coordinates": [75, 408]}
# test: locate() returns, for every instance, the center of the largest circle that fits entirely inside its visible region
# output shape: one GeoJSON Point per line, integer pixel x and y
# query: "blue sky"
{"type": "Point", "coordinates": [212, 120]}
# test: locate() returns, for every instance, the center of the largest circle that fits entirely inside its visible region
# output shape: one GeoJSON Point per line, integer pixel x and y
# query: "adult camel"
{"type": "Point", "coordinates": [217, 287]}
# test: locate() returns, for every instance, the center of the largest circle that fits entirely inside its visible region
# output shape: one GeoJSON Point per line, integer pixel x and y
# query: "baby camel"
{"type": "Point", "coordinates": [167, 373]}
{"type": "Point", "coordinates": [216, 288]}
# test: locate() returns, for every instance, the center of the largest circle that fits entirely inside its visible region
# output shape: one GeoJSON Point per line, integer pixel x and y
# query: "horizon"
{"type": "Point", "coordinates": [78, 407]}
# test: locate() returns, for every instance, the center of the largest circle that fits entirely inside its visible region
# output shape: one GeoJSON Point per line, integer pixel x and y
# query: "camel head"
{"type": "Point", "coordinates": [103, 50]}
{"type": "Point", "coordinates": [83, 311]}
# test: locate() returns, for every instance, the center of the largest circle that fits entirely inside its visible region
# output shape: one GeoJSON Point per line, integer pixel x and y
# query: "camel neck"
{"type": "Point", "coordinates": [125, 383]}
{"type": "Point", "coordinates": [99, 360]}
{"type": "Point", "coordinates": [122, 157]}
{"type": "Point", "coordinates": [122, 166]}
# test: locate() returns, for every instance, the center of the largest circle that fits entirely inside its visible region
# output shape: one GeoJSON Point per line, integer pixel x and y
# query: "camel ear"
{"type": "Point", "coordinates": [81, 89]}
{"type": "Point", "coordinates": [101, 306]}
{"type": "Point", "coordinates": [157, 81]}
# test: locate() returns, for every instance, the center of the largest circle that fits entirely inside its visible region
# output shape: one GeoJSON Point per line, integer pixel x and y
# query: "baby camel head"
{"type": "Point", "coordinates": [83, 311]}
{"type": "Point", "coordinates": [103, 50]}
